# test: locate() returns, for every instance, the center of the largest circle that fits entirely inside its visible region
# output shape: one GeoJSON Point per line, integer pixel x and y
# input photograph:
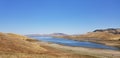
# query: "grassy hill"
{"type": "Point", "coordinates": [17, 36]}
{"type": "Point", "coordinates": [100, 36]}
{"type": "Point", "coordinates": [16, 43]}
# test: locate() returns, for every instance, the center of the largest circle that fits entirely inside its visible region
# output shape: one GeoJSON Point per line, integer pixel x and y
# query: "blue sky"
{"type": "Point", "coordinates": [66, 16]}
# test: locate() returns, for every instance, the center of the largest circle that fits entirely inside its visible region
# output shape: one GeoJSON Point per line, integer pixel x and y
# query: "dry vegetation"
{"type": "Point", "coordinates": [17, 46]}
{"type": "Point", "coordinates": [100, 36]}
{"type": "Point", "coordinates": [11, 44]}
{"type": "Point", "coordinates": [11, 35]}
{"type": "Point", "coordinates": [23, 55]}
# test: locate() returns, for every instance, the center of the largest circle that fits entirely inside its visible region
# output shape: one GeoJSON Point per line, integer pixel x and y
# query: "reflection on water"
{"type": "Point", "coordinates": [75, 43]}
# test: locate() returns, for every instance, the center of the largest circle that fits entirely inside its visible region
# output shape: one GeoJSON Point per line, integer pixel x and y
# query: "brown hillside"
{"type": "Point", "coordinates": [12, 43]}
{"type": "Point", "coordinates": [17, 36]}
{"type": "Point", "coordinates": [101, 34]}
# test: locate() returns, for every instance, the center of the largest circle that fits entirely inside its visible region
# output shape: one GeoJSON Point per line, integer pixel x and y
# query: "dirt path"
{"type": "Point", "coordinates": [100, 53]}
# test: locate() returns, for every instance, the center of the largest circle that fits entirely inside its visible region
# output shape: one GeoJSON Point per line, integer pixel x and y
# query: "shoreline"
{"type": "Point", "coordinates": [100, 53]}
{"type": "Point", "coordinates": [112, 43]}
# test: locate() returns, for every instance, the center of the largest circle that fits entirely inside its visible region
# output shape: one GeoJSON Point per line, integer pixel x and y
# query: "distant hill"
{"type": "Point", "coordinates": [10, 42]}
{"type": "Point", "coordinates": [53, 34]}
{"type": "Point", "coordinates": [104, 34]}
{"type": "Point", "coordinates": [99, 34]}
{"type": "Point", "coordinates": [33, 35]}
{"type": "Point", "coordinates": [57, 34]}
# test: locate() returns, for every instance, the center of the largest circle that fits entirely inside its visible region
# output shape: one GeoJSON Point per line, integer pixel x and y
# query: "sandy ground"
{"type": "Point", "coordinates": [100, 53]}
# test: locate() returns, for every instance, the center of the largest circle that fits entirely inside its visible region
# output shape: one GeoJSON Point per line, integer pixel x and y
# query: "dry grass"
{"type": "Point", "coordinates": [23, 55]}
{"type": "Point", "coordinates": [11, 44]}
{"type": "Point", "coordinates": [102, 35]}
{"type": "Point", "coordinates": [11, 35]}
{"type": "Point", "coordinates": [95, 36]}
{"type": "Point", "coordinates": [51, 53]}
{"type": "Point", "coordinates": [17, 46]}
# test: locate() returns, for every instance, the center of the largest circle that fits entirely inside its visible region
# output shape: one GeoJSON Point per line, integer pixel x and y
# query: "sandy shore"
{"type": "Point", "coordinates": [100, 53]}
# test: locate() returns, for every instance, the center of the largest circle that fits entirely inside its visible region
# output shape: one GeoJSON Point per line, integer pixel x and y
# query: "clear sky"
{"type": "Point", "coordinates": [65, 16]}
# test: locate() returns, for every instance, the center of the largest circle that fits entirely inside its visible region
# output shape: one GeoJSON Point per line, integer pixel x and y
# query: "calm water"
{"type": "Point", "coordinates": [74, 43]}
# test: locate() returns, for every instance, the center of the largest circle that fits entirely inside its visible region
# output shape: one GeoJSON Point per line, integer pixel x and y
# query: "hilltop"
{"type": "Point", "coordinates": [109, 30]}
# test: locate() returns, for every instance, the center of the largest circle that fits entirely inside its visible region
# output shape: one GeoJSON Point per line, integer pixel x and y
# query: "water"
{"type": "Point", "coordinates": [69, 42]}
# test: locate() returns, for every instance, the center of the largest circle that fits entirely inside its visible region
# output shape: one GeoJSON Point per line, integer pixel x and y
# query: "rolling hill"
{"type": "Point", "coordinates": [17, 44]}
